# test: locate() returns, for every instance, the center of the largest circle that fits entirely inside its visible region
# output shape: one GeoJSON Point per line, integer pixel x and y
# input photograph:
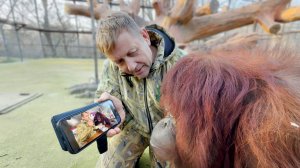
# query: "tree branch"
{"type": "Point", "coordinates": [199, 27]}
{"type": "Point", "coordinates": [182, 12]}
{"type": "Point", "coordinates": [83, 10]}
{"type": "Point", "coordinates": [289, 15]}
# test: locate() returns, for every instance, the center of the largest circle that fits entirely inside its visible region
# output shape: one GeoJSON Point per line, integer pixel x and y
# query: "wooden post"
{"type": "Point", "coordinates": [268, 24]}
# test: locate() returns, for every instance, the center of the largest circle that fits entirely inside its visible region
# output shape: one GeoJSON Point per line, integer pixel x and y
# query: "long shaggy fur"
{"type": "Point", "coordinates": [236, 107]}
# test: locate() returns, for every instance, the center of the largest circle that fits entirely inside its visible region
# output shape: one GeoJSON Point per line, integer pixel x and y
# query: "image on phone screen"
{"type": "Point", "coordinates": [83, 128]}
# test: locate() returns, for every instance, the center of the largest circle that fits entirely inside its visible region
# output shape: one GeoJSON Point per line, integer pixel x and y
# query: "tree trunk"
{"type": "Point", "coordinates": [47, 25]}
{"type": "Point", "coordinates": [65, 44]}
{"type": "Point", "coordinates": [185, 25]}
{"type": "Point", "coordinates": [200, 27]}
{"type": "Point", "coordinates": [4, 41]}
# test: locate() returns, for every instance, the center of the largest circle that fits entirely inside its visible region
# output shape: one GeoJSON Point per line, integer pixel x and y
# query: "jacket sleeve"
{"type": "Point", "coordinates": [109, 80]}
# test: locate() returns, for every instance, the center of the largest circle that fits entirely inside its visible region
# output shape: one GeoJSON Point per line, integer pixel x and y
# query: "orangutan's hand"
{"type": "Point", "coordinates": [163, 141]}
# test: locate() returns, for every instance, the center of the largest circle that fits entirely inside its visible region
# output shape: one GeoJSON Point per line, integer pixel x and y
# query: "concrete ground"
{"type": "Point", "coordinates": [27, 138]}
{"type": "Point", "coordinates": [11, 101]}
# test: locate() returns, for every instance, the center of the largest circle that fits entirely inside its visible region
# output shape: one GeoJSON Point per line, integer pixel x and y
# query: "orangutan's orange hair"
{"type": "Point", "coordinates": [235, 108]}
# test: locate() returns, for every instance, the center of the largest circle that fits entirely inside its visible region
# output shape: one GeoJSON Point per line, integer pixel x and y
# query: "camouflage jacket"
{"type": "Point", "coordinates": [140, 95]}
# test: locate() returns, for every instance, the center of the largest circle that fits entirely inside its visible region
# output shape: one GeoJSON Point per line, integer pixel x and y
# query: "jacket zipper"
{"type": "Point", "coordinates": [149, 118]}
{"type": "Point", "coordinates": [147, 108]}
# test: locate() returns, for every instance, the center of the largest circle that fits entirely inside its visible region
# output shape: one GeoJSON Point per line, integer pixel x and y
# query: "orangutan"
{"type": "Point", "coordinates": [235, 108]}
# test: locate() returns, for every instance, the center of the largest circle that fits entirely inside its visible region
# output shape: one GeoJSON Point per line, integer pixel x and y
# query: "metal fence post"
{"type": "Point", "coordinates": [94, 41]}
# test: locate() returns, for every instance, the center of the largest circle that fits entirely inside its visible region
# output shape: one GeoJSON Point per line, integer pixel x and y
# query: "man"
{"type": "Point", "coordinates": [131, 78]}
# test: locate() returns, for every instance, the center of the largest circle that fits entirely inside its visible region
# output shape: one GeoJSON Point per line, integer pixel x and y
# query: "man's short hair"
{"type": "Point", "coordinates": [110, 27]}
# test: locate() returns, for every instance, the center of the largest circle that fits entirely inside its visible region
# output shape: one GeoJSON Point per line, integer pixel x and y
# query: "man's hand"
{"type": "Point", "coordinates": [119, 107]}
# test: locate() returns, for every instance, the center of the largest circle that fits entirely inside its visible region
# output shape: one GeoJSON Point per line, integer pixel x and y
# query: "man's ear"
{"type": "Point", "coordinates": [145, 35]}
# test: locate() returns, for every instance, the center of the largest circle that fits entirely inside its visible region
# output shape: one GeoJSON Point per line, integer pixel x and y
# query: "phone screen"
{"type": "Point", "coordinates": [84, 128]}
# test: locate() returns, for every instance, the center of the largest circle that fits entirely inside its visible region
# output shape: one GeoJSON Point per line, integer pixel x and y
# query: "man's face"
{"type": "Point", "coordinates": [132, 53]}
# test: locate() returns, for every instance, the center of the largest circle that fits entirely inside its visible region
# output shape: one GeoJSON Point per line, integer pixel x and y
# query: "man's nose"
{"type": "Point", "coordinates": [131, 64]}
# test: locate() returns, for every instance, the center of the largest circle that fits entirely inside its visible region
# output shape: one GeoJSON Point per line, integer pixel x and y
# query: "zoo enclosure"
{"type": "Point", "coordinates": [41, 29]}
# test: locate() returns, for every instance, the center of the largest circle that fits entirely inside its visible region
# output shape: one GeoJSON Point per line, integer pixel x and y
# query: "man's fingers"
{"type": "Point", "coordinates": [118, 130]}
{"type": "Point", "coordinates": [117, 103]}
{"type": "Point", "coordinates": [119, 108]}
{"type": "Point", "coordinates": [104, 96]}
{"type": "Point", "coordinates": [113, 132]}
{"type": "Point", "coordinates": [110, 133]}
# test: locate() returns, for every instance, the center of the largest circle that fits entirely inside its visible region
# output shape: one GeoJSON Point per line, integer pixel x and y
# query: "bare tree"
{"type": "Point", "coordinates": [4, 41]}
{"type": "Point", "coordinates": [47, 25]}
{"type": "Point", "coordinates": [63, 27]}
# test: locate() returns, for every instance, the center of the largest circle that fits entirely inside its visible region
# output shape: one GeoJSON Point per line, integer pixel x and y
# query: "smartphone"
{"type": "Point", "coordinates": [79, 128]}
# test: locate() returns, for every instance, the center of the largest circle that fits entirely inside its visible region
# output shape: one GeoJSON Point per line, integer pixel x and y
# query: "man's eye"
{"type": "Point", "coordinates": [119, 62]}
{"type": "Point", "coordinates": [133, 52]}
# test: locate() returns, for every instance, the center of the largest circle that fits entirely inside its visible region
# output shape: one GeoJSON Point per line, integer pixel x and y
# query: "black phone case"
{"type": "Point", "coordinates": [62, 138]}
